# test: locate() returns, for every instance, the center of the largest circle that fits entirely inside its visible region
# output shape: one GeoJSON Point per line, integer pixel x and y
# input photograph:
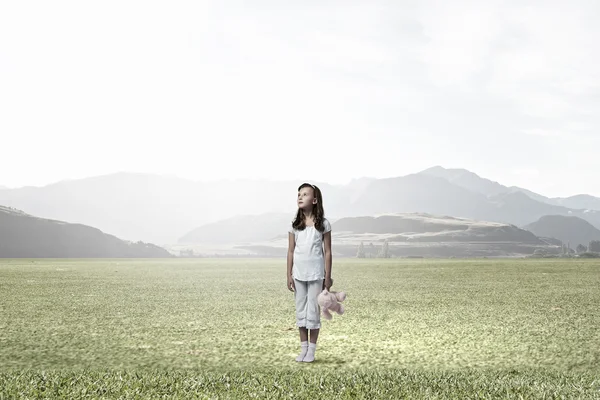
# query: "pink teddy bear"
{"type": "Point", "coordinates": [329, 302]}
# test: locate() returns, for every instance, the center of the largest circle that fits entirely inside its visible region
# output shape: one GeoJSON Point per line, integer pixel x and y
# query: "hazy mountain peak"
{"type": "Point", "coordinates": [467, 180]}
{"type": "Point", "coordinates": [582, 197]}
{"type": "Point", "coordinates": [436, 169]}
{"type": "Point", "coordinates": [442, 171]}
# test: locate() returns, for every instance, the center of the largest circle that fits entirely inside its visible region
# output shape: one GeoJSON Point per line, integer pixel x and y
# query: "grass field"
{"type": "Point", "coordinates": [225, 329]}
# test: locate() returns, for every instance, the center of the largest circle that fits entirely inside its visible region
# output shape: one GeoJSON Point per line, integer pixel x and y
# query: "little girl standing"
{"type": "Point", "coordinates": [309, 265]}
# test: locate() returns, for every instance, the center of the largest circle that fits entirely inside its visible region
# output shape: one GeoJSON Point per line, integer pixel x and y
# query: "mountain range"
{"type": "Point", "coordinates": [470, 180]}
{"type": "Point", "coordinates": [164, 210]}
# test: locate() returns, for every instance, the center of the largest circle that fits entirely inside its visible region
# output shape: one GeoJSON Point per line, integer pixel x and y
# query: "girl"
{"type": "Point", "coordinates": [309, 265]}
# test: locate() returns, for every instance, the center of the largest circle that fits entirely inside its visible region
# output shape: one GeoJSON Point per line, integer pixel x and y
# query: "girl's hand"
{"type": "Point", "coordinates": [290, 284]}
{"type": "Point", "coordinates": [327, 283]}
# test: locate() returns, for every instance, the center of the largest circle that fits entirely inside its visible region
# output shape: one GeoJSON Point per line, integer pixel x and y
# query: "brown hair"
{"type": "Point", "coordinates": [318, 212]}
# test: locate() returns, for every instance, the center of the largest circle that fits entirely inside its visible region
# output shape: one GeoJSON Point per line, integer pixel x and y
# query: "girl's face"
{"type": "Point", "coordinates": [306, 198]}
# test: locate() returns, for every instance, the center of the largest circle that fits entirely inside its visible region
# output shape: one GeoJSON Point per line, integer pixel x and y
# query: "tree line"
{"type": "Point", "coordinates": [370, 252]}
{"type": "Point", "coordinates": [384, 251]}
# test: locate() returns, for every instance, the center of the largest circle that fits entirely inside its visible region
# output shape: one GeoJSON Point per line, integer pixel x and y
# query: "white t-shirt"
{"type": "Point", "coordinates": [309, 260]}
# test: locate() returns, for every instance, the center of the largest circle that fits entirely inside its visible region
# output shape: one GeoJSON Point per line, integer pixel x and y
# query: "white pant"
{"type": "Point", "coordinates": [308, 313]}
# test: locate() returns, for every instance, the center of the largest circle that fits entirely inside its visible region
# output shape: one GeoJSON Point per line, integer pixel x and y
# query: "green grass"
{"type": "Point", "coordinates": [225, 329]}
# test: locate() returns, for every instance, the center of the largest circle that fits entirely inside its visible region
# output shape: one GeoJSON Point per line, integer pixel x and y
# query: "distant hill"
{"type": "Point", "coordinates": [244, 228]}
{"type": "Point", "coordinates": [430, 228]}
{"type": "Point", "coordinates": [569, 229]}
{"type": "Point", "coordinates": [413, 235]}
{"type": "Point", "coordinates": [394, 227]}
{"type": "Point", "coordinates": [23, 235]}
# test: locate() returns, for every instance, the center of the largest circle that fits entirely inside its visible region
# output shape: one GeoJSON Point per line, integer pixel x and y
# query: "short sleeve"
{"type": "Point", "coordinates": [326, 226]}
{"type": "Point", "coordinates": [290, 228]}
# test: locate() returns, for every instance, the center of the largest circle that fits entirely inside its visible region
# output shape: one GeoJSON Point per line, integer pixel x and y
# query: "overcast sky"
{"type": "Point", "coordinates": [267, 89]}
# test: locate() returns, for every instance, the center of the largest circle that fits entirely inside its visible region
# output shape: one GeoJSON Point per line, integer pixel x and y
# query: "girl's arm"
{"type": "Point", "coordinates": [328, 259]}
{"type": "Point", "coordinates": [290, 260]}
